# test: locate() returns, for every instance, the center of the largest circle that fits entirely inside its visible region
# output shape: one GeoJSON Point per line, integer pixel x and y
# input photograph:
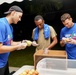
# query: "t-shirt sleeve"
{"type": "Point", "coordinates": [53, 32]}
{"type": "Point", "coordinates": [33, 33]}
{"type": "Point", "coordinates": [61, 34]}
{"type": "Point", "coordinates": [12, 31]}
{"type": "Point", "coordinates": [1, 32]}
{"type": "Point", "coordinates": [1, 40]}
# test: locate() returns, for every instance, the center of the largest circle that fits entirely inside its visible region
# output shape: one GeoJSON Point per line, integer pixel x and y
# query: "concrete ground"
{"type": "Point", "coordinates": [13, 68]}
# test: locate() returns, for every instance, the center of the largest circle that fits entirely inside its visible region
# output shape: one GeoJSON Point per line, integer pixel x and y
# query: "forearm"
{"type": "Point", "coordinates": [4, 49]}
{"type": "Point", "coordinates": [52, 44]}
{"type": "Point", "coordinates": [15, 43]}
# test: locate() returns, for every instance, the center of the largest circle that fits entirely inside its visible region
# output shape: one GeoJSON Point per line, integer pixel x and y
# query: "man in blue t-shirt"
{"type": "Point", "coordinates": [13, 15]}
{"type": "Point", "coordinates": [68, 35]}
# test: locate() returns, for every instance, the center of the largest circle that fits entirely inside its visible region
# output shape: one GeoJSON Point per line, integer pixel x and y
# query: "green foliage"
{"type": "Point", "coordinates": [44, 6]}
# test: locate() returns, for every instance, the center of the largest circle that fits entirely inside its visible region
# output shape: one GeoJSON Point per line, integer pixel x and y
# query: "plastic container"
{"type": "Point", "coordinates": [25, 67]}
{"type": "Point", "coordinates": [56, 66]}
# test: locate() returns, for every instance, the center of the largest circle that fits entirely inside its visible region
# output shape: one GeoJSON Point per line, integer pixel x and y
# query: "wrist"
{"type": "Point", "coordinates": [19, 42]}
{"type": "Point", "coordinates": [74, 42]}
{"type": "Point", "coordinates": [62, 43]}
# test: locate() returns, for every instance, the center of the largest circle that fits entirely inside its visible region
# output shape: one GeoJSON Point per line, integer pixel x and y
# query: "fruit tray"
{"type": "Point", "coordinates": [25, 67]}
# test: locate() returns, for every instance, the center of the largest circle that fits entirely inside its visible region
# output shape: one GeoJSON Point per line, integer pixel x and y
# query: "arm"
{"type": "Point", "coordinates": [12, 47]}
{"type": "Point", "coordinates": [33, 33]}
{"type": "Point", "coordinates": [54, 37]}
{"type": "Point", "coordinates": [62, 38]}
{"type": "Point", "coordinates": [13, 43]}
{"type": "Point", "coordinates": [54, 42]}
{"type": "Point", "coordinates": [4, 48]}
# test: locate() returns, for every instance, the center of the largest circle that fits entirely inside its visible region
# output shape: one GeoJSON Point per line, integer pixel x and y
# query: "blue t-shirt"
{"type": "Point", "coordinates": [5, 38]}
{"type": "Point", "coordinates": [69, 33]}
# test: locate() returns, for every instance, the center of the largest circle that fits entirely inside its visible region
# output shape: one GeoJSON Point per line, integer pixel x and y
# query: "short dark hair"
{"type": "Point", "coordinates": [65, 16]}
{"type": "Point", "coordinates": [14, 8]}
{"type": "Point", "coordinates": [38, 17]}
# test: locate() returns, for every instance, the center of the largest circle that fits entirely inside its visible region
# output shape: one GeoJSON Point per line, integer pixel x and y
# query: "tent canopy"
{"type": "Point", "coordinates": [9, 1]}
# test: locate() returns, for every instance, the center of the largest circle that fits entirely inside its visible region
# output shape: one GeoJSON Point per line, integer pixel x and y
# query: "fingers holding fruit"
{"type": "Point", "coordinates": [28, 42]}
{"type": "Point", "coordinates": [22, 46]}
{"type": "Point", "coordinates": [69, 40]}
{"type": "Point", "coordinates": [65, 40]}
{"type": "Point", "coordinates": [72, 41]}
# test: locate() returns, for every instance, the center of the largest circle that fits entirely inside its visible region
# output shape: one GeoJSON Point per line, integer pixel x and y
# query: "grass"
{"type": "Point", "coordinates": [22, 57]}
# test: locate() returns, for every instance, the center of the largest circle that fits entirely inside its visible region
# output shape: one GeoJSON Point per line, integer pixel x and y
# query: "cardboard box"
{"type": "Point", "coordinates": [51, 54]}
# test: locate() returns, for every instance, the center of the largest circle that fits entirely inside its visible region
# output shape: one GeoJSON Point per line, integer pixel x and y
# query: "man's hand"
{"type": "Point", "coordinates": [63, 41]}
{"type": "Point", "coordinates": [34, 43]}
{"type": "Point", "coordinates": [22, 46]}
{"type": "Point", "coordinates": [72, 41]}
{"type": "Point", "coordinates": [28, 42]}
{"type": "Point", "coordinates": [46, 51]}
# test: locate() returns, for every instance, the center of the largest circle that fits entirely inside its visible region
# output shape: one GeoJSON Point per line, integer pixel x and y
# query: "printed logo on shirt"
{"type": "Point", "coordinates": [73, 36]}
{"type": "Point", "coordinates": [9, 40]}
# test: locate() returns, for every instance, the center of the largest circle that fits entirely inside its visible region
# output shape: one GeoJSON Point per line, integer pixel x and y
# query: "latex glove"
{"type": "Point", "coordinates": [46, 51]}
{"type": "Point", "coordinates": [72, 41]}
{"type": "Point", "coordinates": [28, 42]}
{"type": "Point", "coordinates": [23, 41]}
{"type": "Point", "coordinates": [34, 43]}
{"type": "Point", "coordinates": [22, 46]}
{"type": "Point", "coordinates": [64, 40]}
